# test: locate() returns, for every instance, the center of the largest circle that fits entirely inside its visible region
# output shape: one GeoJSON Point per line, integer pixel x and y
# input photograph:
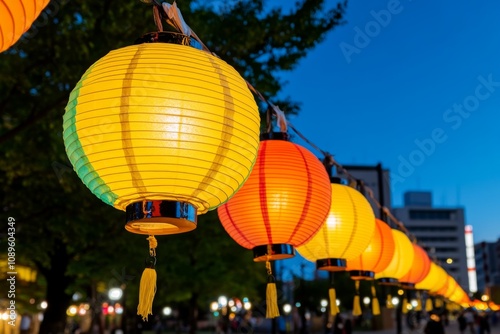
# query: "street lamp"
{"type": "Point", "coordinates": [366, 301]}
{"type": "Point", "coordinates": [395, 301]}
{"type": "Point", "coordinates": [115, 294]}
{"type": "Point", "coordinates": [222, 301]}
{"type": "Point", "coordinates": [167, 311]}
{"type": "Point", "coordinates": [287, 308]}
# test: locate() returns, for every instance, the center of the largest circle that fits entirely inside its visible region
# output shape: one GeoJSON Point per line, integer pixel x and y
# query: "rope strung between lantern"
{"type": "Point", "coordinates": [272, 310]}
{"type": "Point", "coordinates": [147, 288]}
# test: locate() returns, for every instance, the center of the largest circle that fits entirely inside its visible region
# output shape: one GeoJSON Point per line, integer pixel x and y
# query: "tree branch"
{"type": "Point", "coordinates": [30, 121]}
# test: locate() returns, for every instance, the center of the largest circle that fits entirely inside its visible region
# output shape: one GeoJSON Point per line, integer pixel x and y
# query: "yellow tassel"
{"type": "Point", "coordinates": [419, 303]}
{"type": "Point", "coordinates": [356, 308]}
{"type": "Point", "coordinates": [375, 303]}
{"type": "Point", "coordinates": [334, 309]}
{"type": "Point", "coordinates": [147, 293]}
{"type": "Point", "coordinates": [428, 304]}
{"type": "Point", "coordinates": [272, 310]}
{"type": "Point", "coordinates": [147, 288]}
{"type": "Point", "coordinates": [405, 306]}
{"type": "Point", "coordinates": [438, 303]}
{"type": "Point", "coordinates": [389, 303]}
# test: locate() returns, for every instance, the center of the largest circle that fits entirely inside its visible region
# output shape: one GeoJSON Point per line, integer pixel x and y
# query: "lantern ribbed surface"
{"type": "Point", "coordinates": [402, 258]}
{"type": "Point", "coordinates": [442, 288]}
{"type": "Point", "coordinates": [347, 231]}
{"type": "Point", "coordinates": [419, 269]}
{"type": "Point", "coordinates": [284, 201]}
{"type": "Point", "coordinates": [378, 255]}
{"type": "Point", "coordinates": [441, 281]}
{"type": "Point", "coordinates": [160, 121]}
{"type": "Point", "coordinates": [432, 279]}
{"type": "Point", "coordinates": [452, 286]}
{"type": "Point", "coordinates": [16, 17]}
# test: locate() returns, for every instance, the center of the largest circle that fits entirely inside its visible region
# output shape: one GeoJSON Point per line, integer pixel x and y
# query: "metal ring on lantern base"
{"type": "Point", "coordinates": [406, 285]}
{"type": "Point", "coordinates": [388, 281]}
{"type": "Point", "coordinates": [331, 264]}
{"type": "Point", "coordinates": [273, 252]}
{"type": "Point", "coordinates": [361, 275]}
{"type": "Point", "coordinates": [160, 217]}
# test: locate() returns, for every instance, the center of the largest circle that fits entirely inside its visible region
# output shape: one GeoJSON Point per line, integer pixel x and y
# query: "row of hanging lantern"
{"type": "Point", "coordinates": [165, 132]}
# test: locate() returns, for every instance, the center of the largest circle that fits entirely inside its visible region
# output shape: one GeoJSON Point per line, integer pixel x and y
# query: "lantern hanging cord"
{"type": "Point", "coordinates": [153, 243]}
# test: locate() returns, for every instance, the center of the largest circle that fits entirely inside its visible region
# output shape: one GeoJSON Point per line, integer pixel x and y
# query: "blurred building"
{"type": "Point", "coordinates": [377, 179]}
{"type": "Point", "coordinates": [487, 264]}
{"type": "Point", "coordinates": [440, 230]}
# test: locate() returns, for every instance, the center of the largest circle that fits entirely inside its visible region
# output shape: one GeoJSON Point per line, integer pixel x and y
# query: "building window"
{"type": "Point", "coordinates": [430, 214]}
{"type": "Point", "coordinates": [446, 249]}
{"type": "Point", "coordinates": [438, 239]}
{"type": "Point", "coordinates": [432, 228]}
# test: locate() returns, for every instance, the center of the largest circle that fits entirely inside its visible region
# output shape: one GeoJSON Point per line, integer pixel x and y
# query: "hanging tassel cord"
{"type": "Point", "coordinates": [356, 308]}
{"type": "Point", "coordinates": [375, 303]}
{"type": "Point", "coordinates": [147, 288]}
{"type": "Point", "coordinates": [428, 304]}
{"type": "Point", "coordinates": [272, 310]}
{"type": "Point", "coordinates": [388, 302]}
{"type": "Point", "coordinates": [419, 302]}
{"type": "Point", "coordinates": [332, 294]}
{"type": "Point", "coordinates": [405, 304]}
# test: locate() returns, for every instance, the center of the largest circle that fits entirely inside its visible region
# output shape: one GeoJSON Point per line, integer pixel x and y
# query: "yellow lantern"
{"type": "Point", "coordinates": [401, 262]}
{"type": "Point", "coordinates": [16, 17]}
{"type": "Point", "coordinates": [163, 131]}
{"type": "Point", "coordinates": [435, 276]}
{"type": "Point", "coordinates": [346, 233]}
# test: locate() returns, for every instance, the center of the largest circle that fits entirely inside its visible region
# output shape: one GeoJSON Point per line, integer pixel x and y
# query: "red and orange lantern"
{"type": "Point", "coordinates": [376, 257]}
{"type": "Point", "coordinates": [419, 270]}
{"type": "Point", "coordinates": [283, 203]}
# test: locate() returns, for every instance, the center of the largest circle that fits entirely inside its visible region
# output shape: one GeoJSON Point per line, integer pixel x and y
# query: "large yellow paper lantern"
{"type": "Point", "coordinates": [346, 233]}
{"type": "Point", "coordinates": [162, 131]}
{"type": "Point", "coordinates": [401, 262]}
{"type": "Point", "coordinates": [16, 17]}
{"type": "Point", "coordinates": [284, 202]}
{"type": "Point", "coordinates": [376, 257]}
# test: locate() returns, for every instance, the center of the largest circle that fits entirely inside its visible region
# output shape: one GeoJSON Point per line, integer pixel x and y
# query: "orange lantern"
{"type": "Point", "coordinates": [17, 16]}
{"type": "Point", "coordinates": [283, 203]}
{"type": "Point", "coordinates": [419, 270]}
{"type": "Point", "coordinates": [401, 262]}
{"type": "Point", "coordinates": [376, 257]}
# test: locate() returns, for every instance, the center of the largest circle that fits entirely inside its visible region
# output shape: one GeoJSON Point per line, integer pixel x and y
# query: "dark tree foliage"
{"type": "Point", "coordinates": [75, 241]}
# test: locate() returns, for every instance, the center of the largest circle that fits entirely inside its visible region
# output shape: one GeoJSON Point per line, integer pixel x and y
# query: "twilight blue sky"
{"type": "Point", "coordinates": [419, 92]}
